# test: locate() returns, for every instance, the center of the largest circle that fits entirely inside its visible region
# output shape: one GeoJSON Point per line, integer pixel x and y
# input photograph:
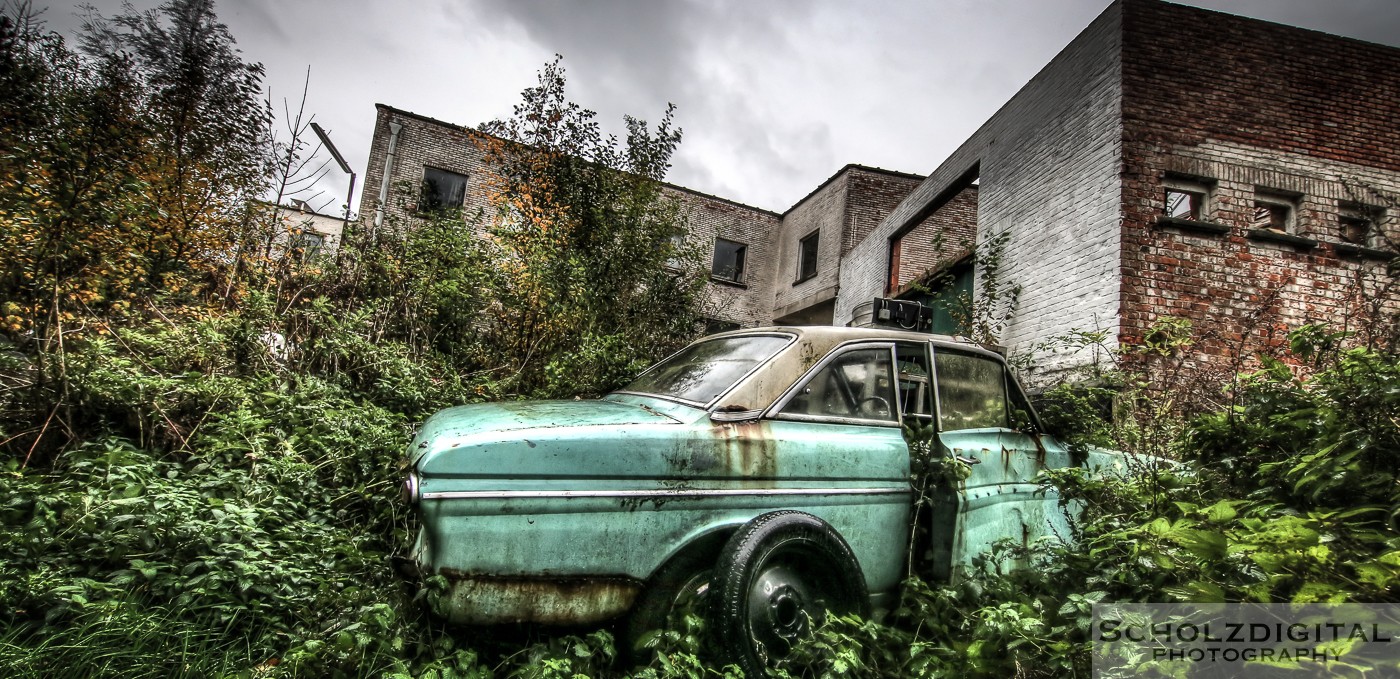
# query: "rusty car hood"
{"type": "Point", "coordinates": [484, 422]}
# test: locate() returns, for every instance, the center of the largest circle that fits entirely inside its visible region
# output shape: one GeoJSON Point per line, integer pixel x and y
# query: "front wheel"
{"type": "Point", "coordinates": [774, 582]}
{"type": "Point", "coordinates": [679, 588]}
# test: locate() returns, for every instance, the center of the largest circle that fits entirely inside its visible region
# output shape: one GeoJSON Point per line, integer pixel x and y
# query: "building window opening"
{"type": "Point", "coordinates": [442, 190]}
{"type": "Point", "coordinates": [1184, 204]}
{"type": "Point", "coordinates": [714, 325]}
{"type": "Point", "coordinates": [1359, 224]}
{"type": "Point", "coordinates": [1186, 199]}
{"type": "Point", "coordinates": [1273, 212]}
{"type": "Point", "coordinates": [310, 243]}
{"type": "Point", "coordinates": [729, 260]}
{"type": "Point", "coordinates": [807, 257]}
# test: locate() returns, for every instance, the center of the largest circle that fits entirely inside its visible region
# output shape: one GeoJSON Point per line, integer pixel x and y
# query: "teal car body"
{"type": "Point", "coordinates": [563, 512]}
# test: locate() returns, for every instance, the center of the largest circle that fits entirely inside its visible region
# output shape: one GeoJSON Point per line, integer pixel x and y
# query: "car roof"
{"type": "Point", "coordinates": [831, 334]}
{"type": "Point", "coordinates": [811, 343]}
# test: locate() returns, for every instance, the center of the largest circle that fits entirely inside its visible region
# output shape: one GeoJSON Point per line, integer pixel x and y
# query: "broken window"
{"type": "Point", "coordinates": [729, 260]}
{"type": "Point", "coordinates": [807, 257]}
{"type": "Point", "coordinates": [310, 244]}
{"type": "Point", "coordinates": [1359, 223]}
{"type": "Point", "coordinates": [1274, 212]}
{"type": "Point", "coordinates": [1185, 198]}
{"type": "Point", "coordinates": [674, 247]}
{"type": "Point", "coordinates": [717, 325]}
{"type": "Point", "coordinates": [1184, 204]}
{"type": "Point", "coordinates": [442, 190]}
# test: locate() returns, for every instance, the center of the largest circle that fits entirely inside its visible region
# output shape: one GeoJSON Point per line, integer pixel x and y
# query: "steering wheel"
{"type": "Point", "coordinates": [877, 407]}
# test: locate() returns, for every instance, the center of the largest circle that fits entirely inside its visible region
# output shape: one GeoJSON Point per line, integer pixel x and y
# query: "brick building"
{"type": "Point", "coordinates": [1169, 162]}
{"type": "Point", "coordinates": [1174, 161]}
{"type": "Point", "coordinates": [767, 267]}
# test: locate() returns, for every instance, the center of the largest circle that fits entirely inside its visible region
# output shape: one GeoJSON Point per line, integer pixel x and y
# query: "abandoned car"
{"type": "Point", "coordinates": [758, 477]}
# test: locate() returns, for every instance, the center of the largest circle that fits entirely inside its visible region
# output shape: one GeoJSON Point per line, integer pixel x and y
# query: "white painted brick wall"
{"type": "Point", "coordinates": [1049, 163]}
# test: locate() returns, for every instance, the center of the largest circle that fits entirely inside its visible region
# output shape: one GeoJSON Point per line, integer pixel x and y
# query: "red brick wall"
{"type": "Point", "coordinates": [1248, 105]}
{"type": "Point", "coordinates": [1190, 75]}
{"type": "Point", "coordinates": [872, 194]}
{"type": "Point", "coordinates": [956, 221]}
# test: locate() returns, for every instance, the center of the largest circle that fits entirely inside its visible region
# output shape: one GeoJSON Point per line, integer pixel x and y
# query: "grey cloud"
{"type": "Point", "coordinates": [773, 95]}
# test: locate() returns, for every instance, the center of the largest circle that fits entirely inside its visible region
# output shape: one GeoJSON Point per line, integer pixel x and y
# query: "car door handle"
{"type": "Point", "coordinates": [967, 460]}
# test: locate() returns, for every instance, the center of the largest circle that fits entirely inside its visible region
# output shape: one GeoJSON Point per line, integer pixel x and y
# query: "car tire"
{"type": "Point", "coordinates": [774, 580]}
{"type": "Point", "coordinates": [681, 585]}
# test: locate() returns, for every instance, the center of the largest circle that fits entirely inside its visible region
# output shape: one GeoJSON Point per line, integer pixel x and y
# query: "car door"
{"type": "Point", "coordinates": [838, 428]}
{"type": "Point", "coordinates": [977, 402]}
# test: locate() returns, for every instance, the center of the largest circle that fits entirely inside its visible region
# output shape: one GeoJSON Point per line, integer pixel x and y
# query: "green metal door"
{"type": "Point", "coordinates": [999, 500]}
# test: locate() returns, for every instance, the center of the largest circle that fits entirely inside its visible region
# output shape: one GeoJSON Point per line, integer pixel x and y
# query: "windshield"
{"type": "Point", "coordinates": [704, 370]}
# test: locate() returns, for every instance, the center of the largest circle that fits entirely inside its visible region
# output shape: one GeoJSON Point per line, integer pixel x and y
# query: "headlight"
{"type": "Point", "coordinates": [409, 490]}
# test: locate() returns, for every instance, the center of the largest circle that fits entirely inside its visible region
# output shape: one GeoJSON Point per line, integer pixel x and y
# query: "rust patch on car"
{"type": "Point", "coordinates": [747, 449]}
{"type": "Point", "coordinates": [480, 599]}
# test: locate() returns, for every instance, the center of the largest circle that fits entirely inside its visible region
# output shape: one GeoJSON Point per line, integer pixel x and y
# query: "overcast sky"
{"type": "Point", "coordinates": [774, 96]}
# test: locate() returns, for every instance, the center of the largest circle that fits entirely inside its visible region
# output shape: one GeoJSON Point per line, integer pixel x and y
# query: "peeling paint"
{"type": "Point", "coordinates": [493, 599]}
{"type": "Point", "coordinates": [747, 449]}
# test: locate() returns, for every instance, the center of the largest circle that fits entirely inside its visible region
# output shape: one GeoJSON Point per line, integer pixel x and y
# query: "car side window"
{"type": "Point", "coordinates": [971, 391]}
{"type": "Point", "coordinates": [857, 384]}
{"type": "Point", "coordinates": [915, 382]}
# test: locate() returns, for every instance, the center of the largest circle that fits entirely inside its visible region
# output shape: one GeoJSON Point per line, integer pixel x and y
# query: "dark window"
{"type": "Point", "coordinates": [1270, 216]}
{"type": "Point", "coordinates": [1359, 223]}
{"type": "Point", "coordinates": [442, 190]}
{"type": "Point", "coordinates": [855, 384]}
{"type": "Point", "coordinates": [716, 325]}
{"type": "Point", "coordinates": [807, 257]}
{"type": "Point", "coordinates": [971, 391]}
{"type": "Point", "coordinates": [1273, 212]}
{"type": "Point", "coordinates": [892, 282]}
{"type": "Point", "coordinates": [729, 260]}
{"type": "Point", "coordinates": [1356, 230]}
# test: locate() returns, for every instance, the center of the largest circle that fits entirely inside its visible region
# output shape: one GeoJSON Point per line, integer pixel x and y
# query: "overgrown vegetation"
{"type": "Point", "coordinates": [201, 436]}
{"type": "Point", "coordinates": [201, 428]}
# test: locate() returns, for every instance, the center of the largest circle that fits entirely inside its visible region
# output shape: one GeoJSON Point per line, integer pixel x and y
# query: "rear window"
{"type": "Point", "coordinates": [703, 371]}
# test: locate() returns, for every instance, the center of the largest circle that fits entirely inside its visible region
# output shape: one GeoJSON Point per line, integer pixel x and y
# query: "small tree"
{"type": "Point", "coordinates": [72, 142]}
{"type": "Point", "coordinates": [207, 128]}
{"type": "Point", "coordinates": [592, 281]}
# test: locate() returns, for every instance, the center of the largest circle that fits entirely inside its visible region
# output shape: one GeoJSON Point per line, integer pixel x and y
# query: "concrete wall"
{"type": "Point", "coordinates": [823, 211]}
{"type": "Point", "coordinates": [1048, 165]}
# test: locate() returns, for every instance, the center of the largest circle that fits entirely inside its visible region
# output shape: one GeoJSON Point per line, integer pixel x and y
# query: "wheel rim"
{"type": "Point", "coordinates": [690, 597]}
{"type": "Point", "coordinates": [784, 603]}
